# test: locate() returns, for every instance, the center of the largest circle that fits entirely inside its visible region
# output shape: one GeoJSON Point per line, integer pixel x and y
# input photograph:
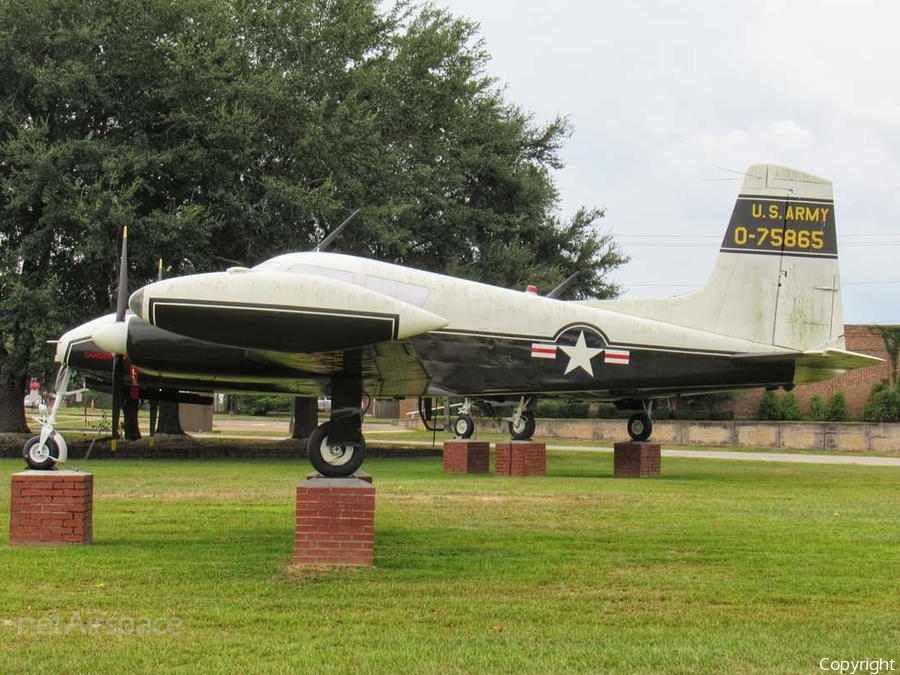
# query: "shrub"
{"type": "Point", "coordinates": [883, 404]}
{"type": "Point", "coordinates": [606, 411]}
{"type": "Point", "coordinates": [263, 405]}
{"type": "Point", "coordinates": [562, 409]}
{"type": "Point", "coordinates": [790, 409]}
{"type": "Point", "coordinates": [816, 408]}
{"type": "Point", "coordinates": [837, 408]}
{"type": "Point", "coordinates": [770, 408]}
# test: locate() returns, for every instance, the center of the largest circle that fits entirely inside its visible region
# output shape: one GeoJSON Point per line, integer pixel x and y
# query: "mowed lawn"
{"type": "Point", "coordinates": [718, 566]}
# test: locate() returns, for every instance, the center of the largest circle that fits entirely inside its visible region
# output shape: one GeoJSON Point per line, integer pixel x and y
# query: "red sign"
{"type": "Point", "coordinates": [35, 385]}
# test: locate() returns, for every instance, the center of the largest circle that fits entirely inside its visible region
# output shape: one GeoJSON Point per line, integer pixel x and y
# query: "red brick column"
{"type": "Point", "coordinates": [51, 508]}
{"type": "Point", "coordinates": [464, 456]}
{"type": "Point", "coordinates": [335, 522]}
{"type": "Point", "coordinates": [633, 459]}
{"type": "Point", "coordinates": [521, 458]}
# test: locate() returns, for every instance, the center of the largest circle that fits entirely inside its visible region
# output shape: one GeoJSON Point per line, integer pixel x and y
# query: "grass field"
{"type": "Point", "coordinates": [716, 567]}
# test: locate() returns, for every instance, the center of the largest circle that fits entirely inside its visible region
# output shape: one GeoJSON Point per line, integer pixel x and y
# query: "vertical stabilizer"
{"type": "Point", "coordinates": [776, 278]}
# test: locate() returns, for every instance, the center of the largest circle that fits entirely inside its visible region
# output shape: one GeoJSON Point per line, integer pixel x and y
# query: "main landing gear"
{"type": "Point", "coordinates": [337, 447]}
{"type": "Point", "coordinates": [44, 451]}
{"type": "Point", "coordinates": [522, 423]}
{"type": "Point", "coordinates": [640, 426]}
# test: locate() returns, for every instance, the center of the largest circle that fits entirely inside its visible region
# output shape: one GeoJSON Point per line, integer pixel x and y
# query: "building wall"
{"type": "Point", "coordinates": [855, 384]}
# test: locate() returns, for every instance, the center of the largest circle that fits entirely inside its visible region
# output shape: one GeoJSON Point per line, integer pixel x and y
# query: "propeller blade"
{"type": "Point", "coordinates": [154, 413]}
{"type": "Point", "coordinates": [327, 241]}
{"type": "Point", "coordinates": [122, 296]}
{"type": "Point", "coordinates": [117, 392]}
{"type": "Point", "coordinates": [559, 290]}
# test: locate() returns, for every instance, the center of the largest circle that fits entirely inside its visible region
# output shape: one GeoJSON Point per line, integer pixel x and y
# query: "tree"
{"type": "Point", "coordinates": [226, 130]}
{"type": "Point", "coordinates": [169, 421]}
{"type": "Point", "coordinates": [306, 416]}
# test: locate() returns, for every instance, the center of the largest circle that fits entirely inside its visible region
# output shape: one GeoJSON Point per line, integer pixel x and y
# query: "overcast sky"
{"type": "Point", "coordinates": [667, 97]}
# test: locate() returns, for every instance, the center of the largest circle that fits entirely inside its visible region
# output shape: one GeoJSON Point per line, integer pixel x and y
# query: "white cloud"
{"type": "Point", "coordinates": [664, 95]}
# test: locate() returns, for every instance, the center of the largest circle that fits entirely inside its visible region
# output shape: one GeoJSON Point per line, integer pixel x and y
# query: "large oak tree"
{"type": "Point", "coordinates": [233, 130]}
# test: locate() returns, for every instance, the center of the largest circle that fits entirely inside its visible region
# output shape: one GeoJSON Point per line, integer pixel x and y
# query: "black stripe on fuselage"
{"type": "Point", "coordinates": [490, 335]}
{"type": "Point", "coordinates": [283, 328]}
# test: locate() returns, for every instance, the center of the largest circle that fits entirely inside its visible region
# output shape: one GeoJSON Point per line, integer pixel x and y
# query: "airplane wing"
{"type": "Point", "coordinates": [832, 359]}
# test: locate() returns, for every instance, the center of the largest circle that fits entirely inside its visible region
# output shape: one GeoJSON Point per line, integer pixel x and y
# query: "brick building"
{"type": "Point", "coordinates": [855, 384]}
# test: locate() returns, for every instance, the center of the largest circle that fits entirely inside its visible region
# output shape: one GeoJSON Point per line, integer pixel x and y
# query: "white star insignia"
{"type": "Point", "coordinates": [580, 355]}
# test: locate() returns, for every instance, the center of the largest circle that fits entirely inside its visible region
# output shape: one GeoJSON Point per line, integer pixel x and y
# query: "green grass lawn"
{"type": "Point", "coordinates": [718, 567]}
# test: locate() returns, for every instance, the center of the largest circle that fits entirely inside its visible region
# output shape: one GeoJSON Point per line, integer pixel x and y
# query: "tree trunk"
{"type": "Point", "coordinates": [306, 416]}
{"type": "Point", "coordinates": [12, 406]}
{"type": "Point", "coordinates": [130, 415]}
{"type": "Point", "coordinates": [169, 422]}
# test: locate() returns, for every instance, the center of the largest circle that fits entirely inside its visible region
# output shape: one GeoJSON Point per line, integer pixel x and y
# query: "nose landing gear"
{"type": "Point", "coordinates": [44, 451]}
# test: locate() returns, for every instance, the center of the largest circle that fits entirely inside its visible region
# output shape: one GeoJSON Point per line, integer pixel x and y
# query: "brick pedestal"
{"type": "Point", "coordinates": [465, 456]}
{"type": "Point", "coordinates": [51, 508]}
{"type": "Point", "coordinates": [521, 458]}
{"type": "Point", "coordinates": [335, 522]}
{"type": "Point", "coordinates": [634, 460]}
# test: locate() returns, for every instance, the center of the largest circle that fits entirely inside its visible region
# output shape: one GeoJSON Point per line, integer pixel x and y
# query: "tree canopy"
{"type": "Point", "coordinates": [234, 130]}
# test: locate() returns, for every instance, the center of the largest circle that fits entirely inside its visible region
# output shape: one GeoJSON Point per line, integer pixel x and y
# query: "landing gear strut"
{"type": "Point", "coordinates": [337, 447]}
{"type": "Point", "coordinates": [522, 423]}
{"type": "Point", "coordinates": [43, 451]}
{"type": "Point", "coordinates": [464, 426]}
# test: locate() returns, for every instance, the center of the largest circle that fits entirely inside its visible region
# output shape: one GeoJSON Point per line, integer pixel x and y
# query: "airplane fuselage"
{"type": "Point", "coordinates": [496, 342]}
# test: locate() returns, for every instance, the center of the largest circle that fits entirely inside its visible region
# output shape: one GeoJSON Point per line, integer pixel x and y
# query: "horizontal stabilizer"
{"type": "Point", "coordinates": [836, 359]}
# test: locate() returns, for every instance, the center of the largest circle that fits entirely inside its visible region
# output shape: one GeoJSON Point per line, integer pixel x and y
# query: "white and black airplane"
{"type": "Point", "coordinates": [318, 323]}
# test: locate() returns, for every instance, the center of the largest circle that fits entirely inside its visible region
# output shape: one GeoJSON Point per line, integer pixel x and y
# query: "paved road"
{"type": "Point", "coordinates": [372, 430]}
{"type": "Point", "coordinates": [763, 456]}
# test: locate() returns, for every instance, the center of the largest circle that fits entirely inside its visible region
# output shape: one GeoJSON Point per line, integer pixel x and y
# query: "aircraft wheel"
{"type": "Point", "coordinates": [524, 428]}
{"type": "Point", "coordinates": [40, 457]}
{"type": "Point", "coordinates": [334, 461]}
{"type": "Point", "coordinates": [640, 426]}
{"type": "Point", "coordinates": [464, 427]}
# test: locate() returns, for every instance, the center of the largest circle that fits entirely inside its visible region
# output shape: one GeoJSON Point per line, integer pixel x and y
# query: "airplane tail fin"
{"type": "Point", "coordinates": [776, 279]}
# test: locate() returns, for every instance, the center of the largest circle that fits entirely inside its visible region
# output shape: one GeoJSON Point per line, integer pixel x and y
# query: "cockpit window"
{"type": "Point", "coordinates": [316, 271]}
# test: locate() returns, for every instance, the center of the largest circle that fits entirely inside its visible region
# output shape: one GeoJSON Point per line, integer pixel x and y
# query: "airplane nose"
{"type": "Point", "coordinates": [136, 302]}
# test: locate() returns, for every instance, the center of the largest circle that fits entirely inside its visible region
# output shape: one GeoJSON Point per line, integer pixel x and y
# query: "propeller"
{"type": "Point", "coordinates": [154, 405]}
{"type": "Point", "coordinates": [118, 389]}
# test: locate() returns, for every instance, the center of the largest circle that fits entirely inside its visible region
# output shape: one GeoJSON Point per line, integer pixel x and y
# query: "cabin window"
{"type": "Point", "coordinates": [400, 290]}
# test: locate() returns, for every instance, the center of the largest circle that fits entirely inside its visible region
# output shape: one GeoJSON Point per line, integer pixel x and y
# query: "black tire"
{"type": "Point", "coordinates": [640, 426]}
{"type": "Point", "coordinates": [38, 457]}
{"type": "Point", "coordinates": [524, 430]}
{"type": "Point", "coordinates": [334, 461]}
{"type": "Point", "coordinates": [464, 426]}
